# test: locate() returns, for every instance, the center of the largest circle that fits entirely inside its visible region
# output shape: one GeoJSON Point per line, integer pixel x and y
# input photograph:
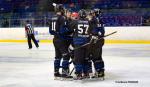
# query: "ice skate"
{"type": "Point", "coordinates": [99, 76]}
{"type": "Point", "coordinates": [65, 75]}
{"type": "Point", "coordinates": [57, 76]}
{"type": "Point", "coordinates": [78, 77]}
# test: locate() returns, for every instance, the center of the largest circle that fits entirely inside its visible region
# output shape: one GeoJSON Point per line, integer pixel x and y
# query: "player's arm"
{"type": "Point", "coordinates": [63, 26]}
{"type": "Point", "coordinates": [102, 27]}
{"type": "Point", "coordinates": [25, 31]}
{"type": "Point", "coordinates": [99, 28]}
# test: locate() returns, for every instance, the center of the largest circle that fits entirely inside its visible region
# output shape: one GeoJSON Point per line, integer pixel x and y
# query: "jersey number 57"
{"type": "Point", "coordinates": [83, 28]}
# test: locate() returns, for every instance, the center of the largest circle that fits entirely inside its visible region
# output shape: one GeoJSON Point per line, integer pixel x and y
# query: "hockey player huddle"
{"type": "Point", "coordinates": [76, 29]}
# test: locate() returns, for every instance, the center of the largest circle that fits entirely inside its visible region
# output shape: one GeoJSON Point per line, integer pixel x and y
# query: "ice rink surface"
{"type": "Point", "coordinates": [126, 66]}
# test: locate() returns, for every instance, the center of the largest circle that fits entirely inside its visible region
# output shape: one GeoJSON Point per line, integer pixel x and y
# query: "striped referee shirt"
{"type": "Point", "coordinates": [29, 29]}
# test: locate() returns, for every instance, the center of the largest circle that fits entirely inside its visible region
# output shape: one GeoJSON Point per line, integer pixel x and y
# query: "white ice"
{"type": "Point", "coordinates": [20, 67]}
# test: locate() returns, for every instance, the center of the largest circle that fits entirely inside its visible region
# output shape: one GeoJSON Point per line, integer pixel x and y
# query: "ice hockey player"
{"type": "Point", "coordinates": [29, 30]}
{"type": "Point", "coordinates": [97, 31]}
{"type": "Point", "coordinates": [81, 37]}
{"type": "Point", "coordinates": [71, 18]}
{"type": "Point", "coordinates": [58, 29]}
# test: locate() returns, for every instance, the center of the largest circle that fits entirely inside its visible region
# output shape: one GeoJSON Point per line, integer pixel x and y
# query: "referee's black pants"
{"type": "Point", "coordinates": [31, 36]}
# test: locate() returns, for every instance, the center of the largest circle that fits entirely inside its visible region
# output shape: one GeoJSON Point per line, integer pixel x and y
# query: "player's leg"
{"type": "Point", "coordinates": [89, 56]}
{"type": "Point", "coordinates": [58, 58]}
{"type": "Point", "coordinates": [34, 40]}
{"type": "Point", "coordinates": [97, 59]}
{"type": "Point", "coordinates": [79, 63]}
{"type": "Point", "coordinates": [66, 57]}
{"type": "Point", "coordinates": [87, 68]}
{"type": "Point", "coordinates": [29, 42]}
{"type": "Point", "coordinates": [71, 53]}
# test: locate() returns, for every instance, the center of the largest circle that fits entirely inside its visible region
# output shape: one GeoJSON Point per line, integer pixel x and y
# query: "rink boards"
{"type": "Point", "coordinates": [135, 35]}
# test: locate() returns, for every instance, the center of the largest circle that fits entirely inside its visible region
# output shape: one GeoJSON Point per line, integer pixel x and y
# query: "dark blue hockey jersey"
{"type": "Point", "coordinates": [97, 27]}
{"type": "Point", "coordinates": [59, 27]}
{"type": "Point", "coordinates": [81, 34]}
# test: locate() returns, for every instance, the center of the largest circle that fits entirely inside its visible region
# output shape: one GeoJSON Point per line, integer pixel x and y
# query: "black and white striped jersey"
{"type": "Point", "coordinates": [29, 29]}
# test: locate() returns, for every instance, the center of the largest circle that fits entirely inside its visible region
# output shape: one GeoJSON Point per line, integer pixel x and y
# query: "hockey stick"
{"type": "Point", "coordinates": [71, 71]}
{"type": "Point", "coordinates": [97, 40]}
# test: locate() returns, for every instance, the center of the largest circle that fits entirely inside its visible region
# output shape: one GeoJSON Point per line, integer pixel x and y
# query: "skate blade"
{"type": "Point", "coordinates": [66, 79]}
{"type": "Point", "coordinates": [57, 78]}
{"type": "Point", "coordinates": [98, 79]}
{"type": "Point", "coordinates": [63, 79]}
{"type": "Point", "coordinates": [78, 80]}
{"type": "Point", "coordinates": [94, 79]}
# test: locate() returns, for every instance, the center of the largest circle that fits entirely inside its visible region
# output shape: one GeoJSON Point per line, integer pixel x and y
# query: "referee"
{"type": "Point", "coordinates": [29, 30]}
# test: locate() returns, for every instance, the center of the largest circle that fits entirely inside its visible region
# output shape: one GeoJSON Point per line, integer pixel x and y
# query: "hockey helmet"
{"type": "Point", "coordinates": [60, 8]}
{"type": "Point", "coordinates": [82, 13]}
{"type": "Point", "coordinates": [97, 11]}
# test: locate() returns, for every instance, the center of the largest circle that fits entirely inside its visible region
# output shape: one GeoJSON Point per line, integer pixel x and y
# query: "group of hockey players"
{"type": "Point", "coordinates": [77, 29]}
